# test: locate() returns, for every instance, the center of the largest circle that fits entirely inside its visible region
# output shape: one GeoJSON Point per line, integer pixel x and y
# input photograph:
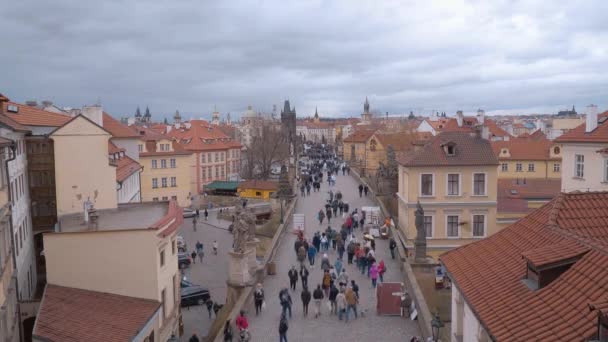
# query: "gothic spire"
{"type": "Point", "coordinates": [147, 115]}
{"type": "Point", "coordinates": [138, 113]}
{"type": "Point", "coordinates": [366, 106]}
{"type": "Point", "coordinates": [316, 113]}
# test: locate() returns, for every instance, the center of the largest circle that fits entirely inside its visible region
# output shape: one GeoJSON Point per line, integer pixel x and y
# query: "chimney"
{"type": "Point", "coordinates": [481, 115]}
{"type": "Point", "coordinates": [47, 103]}
{"type": "Point", "coordinates": [93, 113]}
{"type": "Point", "coordinates": [31, 103]}
{"type": "Point", "coordinates": [485, 132]}
{"type": "Point", "coordinates": [591, 119]}
{"type": "Point", "coordinates": [459, 118]}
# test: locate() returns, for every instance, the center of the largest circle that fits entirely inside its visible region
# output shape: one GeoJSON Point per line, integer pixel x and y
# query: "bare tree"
{"type": "Point", "coordinates": [267, 149]}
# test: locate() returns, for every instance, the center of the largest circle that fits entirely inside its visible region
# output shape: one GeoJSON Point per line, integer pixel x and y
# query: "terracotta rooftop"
{"type": "Point", "coordinates": [113, 148]}
{"type": "Point", "coordinates": [6, 121]}
{"type": "Point", "coordinates": [259, 185]}
{"type": "Point", "coordinates": [151, 137]}
{"type": "Point", "coordinates": [69, 314]}
{"type": "Point", "coordinates": [33, 116]}
{"type": "Point", "coordinates": [402, 141]}
{"type": "Point", "coordinates": [468, 125]}
{"type": "Point", "coordinates": [125, 166]}
{"type": "Point", "coordinates": [116, 128]}
{"type": "Point", "coordinates": [513, 194]}
{"type": "Point", "coordinates": [524, 149]}
{"type": "Point", "coordinates": [201, 136]}
{"type": "Point", "coordinates": [359, 136]}
{"type": "Point", "coordinates": [489, 272]}
{"type": "Point", "coordinates": [495, 130]}
{"type": "Point", "coordinates": [555, 253]}
{"type": "Point", "coordinates": [469, 150]}
{"type": "Point", "coordinates": [578, 134]}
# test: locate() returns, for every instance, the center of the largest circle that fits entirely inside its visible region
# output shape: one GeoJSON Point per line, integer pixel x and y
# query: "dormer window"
{"type": "Point", "coordinates": [450, 149]}
{"type": "Point", "coordinates": [372, 145]}
{"type": "Point", "coordinates": [556, 150]}
{"type": "Point", "coordinates": [547, 263]}
{"type": "Point", "coordinates": [504, 151]}
{"type": "Point", "coordinates": [12, 108]}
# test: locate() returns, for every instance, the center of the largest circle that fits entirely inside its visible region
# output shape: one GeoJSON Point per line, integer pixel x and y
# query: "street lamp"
{"type": "Point", "coordinates": [436, 325]}
{"type": "Point", "coordinates": [284, 187]}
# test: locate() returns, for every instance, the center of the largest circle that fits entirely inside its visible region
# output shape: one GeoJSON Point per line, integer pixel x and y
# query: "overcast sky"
{"type": "Point", "coordinates": [504, 56]}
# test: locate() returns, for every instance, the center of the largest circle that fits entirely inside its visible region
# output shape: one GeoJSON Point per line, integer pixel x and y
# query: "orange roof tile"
{"type": "Point", "coordinates": [524, 149]}
{"type": "Point", "coordinates": [125, 166]}
{"type": "Point", "coordinates": [578, 134]}
{"type": "Point", "coordinates": [113, 148]}
{"type": "Point", "coordinates": [201, 136]}
{"type": "Point", "coordinates": [116, 128]}
{"type": "Point", "coordinates": [495, 130]}
{"type": "Point", "coordinates": [402, 141]}
{"type": "Point", "coordinates": [12, 124]}
{"type": "Point", "coordinates": [32, 116]}
{"type": "Point", "coordinates": [489, 272]}
{"type": "Point", "coordinates": [359, 136]}
{"type": "Point", "coordinates": [69, 314]}
{"type": "Point", "coordinates": [550, 254]}
{"type": "Point", "coordinates": [151, 137]}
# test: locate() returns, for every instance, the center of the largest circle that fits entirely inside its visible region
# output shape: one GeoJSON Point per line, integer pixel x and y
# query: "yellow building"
{"type": "Point", "coordinates": [167, 168]}
{"type": "Point", "coordinates": [257, 189]}
{"type": "Point", "coordinates": [454, 178]}
{"type": "Point", "coordinates": [517, 197]}
{"type": "Point", "coordinates": [402, 142]}
{"type": "Point", "coordinates": [528, 158]}
{"type": "Point", "coordinates": [355, 147]}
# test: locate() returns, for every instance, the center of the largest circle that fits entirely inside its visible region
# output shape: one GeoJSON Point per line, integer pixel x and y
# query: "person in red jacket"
{"type": "Point", "coordinates": [241, 321]}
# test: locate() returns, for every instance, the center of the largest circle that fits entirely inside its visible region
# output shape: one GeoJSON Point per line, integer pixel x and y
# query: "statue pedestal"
{"type": "Point", "coordinates": [238, 268]}
{"type": "Point", "coordinates": [252, 262]}
{"type": "Point", "coordinates": [420, 251]}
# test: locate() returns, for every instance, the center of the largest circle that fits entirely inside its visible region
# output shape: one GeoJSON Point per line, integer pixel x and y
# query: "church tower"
{"type": "Point", "coordinates": [215, 117]}
{"type": "Point", "coordinates": [147, 116]}
{"type": "Point", "coordinates": [366, 117]}
{"type": "Point", "coordinates": [177, 118]}
{"type": "Point", "coordinates": [316, 119]}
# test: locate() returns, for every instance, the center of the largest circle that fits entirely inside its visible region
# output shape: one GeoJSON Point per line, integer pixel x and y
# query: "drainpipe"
{"type": "Point", "coordinates": [13, 147]}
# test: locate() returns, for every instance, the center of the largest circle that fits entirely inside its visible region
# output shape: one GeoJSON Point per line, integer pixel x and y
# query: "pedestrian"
{"type": "Point", "coordinates": [302, 188]}
{"type": "Point", "coordinates": [326, 282]}
{"type": "Point", "coordinates": [307, 189]}
{"type": "Point", "coordinates": [194, 223]}
{"type": "Point", "coordinates": [206, 213]}
{"type": "Point", "coordinates": [321, 216]}
{"type": "Point", "coordinates": [194, 338]}
{"type": "Point", "coordinates": [343, 279]}
{"type": "Point", "coordinates": [318, 296]}
{"type": "Point", "coordinates": [241, 321]}
{"type": "Point", "coordinates": [215, 247]}
{"type": "Point", "coordinates": [324, 242]}
{"type": "Point", "coordinates": [258, 298]}
{"type": "Point", "coordinates": [350, 250]}
{"type": "Point", "coordinates": [293, 277]}
{"type": "Point", "coordinates": [373, 273]}
{"type": "Point", "coordinates": [360, 190]}
{"type": "Point", "coordinates": [302, 252]}
{"type": "Point", "coordinates": [355, 287]}
{"type": "Point", "coordinates": [316, 241]}
{"type": "Point", "coordinates": [381, 270]}
{"type": "Point", "coordinates": [328, 214]}
{"type": "Point", "coordinates": [305, 300]}
{"type": "Point", "coordinates": [304, 275]}
{"type": "Point", "coordinates": [285, 300]}
{"type": "Point", "coordinates": [312, 252]}
{"type": "Point", "coordinates": [333, 294]}
{"type": "Point", "coordinates": [392, 244]}
{"type": "Point", "coordinates": [340, 244]}
{"type": "Point", "coordinates": [193, 255]}
{"type": "Point", "coordinates": [338, 266]}
{"type": "Point", "coordinates": [283, 326]}
{"type": "Point", "coordinates": [351, 302]}
{"type": "Point", "coordinates": [325, 266]}
{"type": "Point", "coordinates": [227, 331]}
{"type": "Point", "coordinates": [341, 305]}
{"type": "Point", "coordinates": [209, 304]}
{"type": "Point", "coordinates": [366, 190]}
{"type": "Point", "coordinates": [406, 304]}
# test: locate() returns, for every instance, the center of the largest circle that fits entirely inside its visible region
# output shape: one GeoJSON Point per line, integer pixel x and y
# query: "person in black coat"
{"type": "Point", "coordinates": [293, 277]}
{"type": "Point", "coordinates": [305, 300]}
{"type": "Point", "coordinates": [304, 275]}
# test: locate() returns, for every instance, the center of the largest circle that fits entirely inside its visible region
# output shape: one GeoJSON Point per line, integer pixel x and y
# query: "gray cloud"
{"type": "Point", "coordinates": [505, 56]}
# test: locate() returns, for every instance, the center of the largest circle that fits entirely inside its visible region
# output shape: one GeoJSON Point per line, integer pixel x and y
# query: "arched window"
{"type": "Point", "coordinates": [372, 145]}
{"type": "Point", "coordinates": [556, 150]}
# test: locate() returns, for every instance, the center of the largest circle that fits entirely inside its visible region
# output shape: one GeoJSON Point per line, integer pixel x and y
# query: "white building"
{"type": "Point", "coordinates": [585, 154]}
{"type": "Point", "coordinates": [316, 130]}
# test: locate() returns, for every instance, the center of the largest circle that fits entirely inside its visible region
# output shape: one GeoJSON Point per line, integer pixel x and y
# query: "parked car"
{"type": "Point", "coordinates": [189, 213]}
{"type": "Point", "coordinates": [192, 294]}
{"type": "Point", "coordinates": [183, 260]}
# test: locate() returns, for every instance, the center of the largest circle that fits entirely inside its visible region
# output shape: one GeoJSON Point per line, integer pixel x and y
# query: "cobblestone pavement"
{"type": "Point", "coordinates": [211, 273]}
{"type": "Point", "coordinates": [325, 328]}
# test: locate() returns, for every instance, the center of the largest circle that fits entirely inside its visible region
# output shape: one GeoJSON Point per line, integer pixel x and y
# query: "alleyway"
{"type": "Point", "coordinates": [328, 328]}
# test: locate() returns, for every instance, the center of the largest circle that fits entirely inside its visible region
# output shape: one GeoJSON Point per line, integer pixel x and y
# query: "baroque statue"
{"type": "Point", "coordinates": [243, 230]}
{"type": "Point", "coordinates": [420, 231]}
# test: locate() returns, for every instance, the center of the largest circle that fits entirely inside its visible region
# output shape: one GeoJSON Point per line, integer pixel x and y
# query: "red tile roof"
{"type": "Point", "coordinates": [32, 116]}
{"type": "Point", "coordinates": [468, 125]}
{"type": "Point", "coordinates": [69, 314]}
{"type": "Point", "coordinates": [495, 130]}
{"type": "Point", "coordinates": [151, 137]}
{"type": "Point", "coordinates": [259, 185]}
{"type": "Point", "coordinates": [5, 120]}
{"type": "Point", "coordinates": [489, 272]}
{"type": "Point", "coordinates": [470, 150]}
{"type": "Point", "coordinates": [359, 136]}
{"type": "Point", "coordinates": [113, 148]}
{"type": "Point", "coordinates": [554, 253]}
{"type": "Point", "coordinates": [116, 128]}
{"type": "Point", "coordinates": [578, 134]}
{"type": "Point", "coordinates": [524, 149]}
{"type": "Point", "coordinates": [125, 166]}
{"type": "Point", "coordinates": [201, 136]}
{"type": "Point", "coordinates": [4, 141]}
{"type": "Point", "coordinates": [402, 141]}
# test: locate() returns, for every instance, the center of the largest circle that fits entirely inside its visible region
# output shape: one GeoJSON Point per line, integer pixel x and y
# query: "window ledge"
{"type": "Point", "coordinates": [453, 196]}
{"type": "Point", "coordinates": [479, 195]}
{"type": "Point", "coordinates": [427, 196]}
{"type": "Point", "coordinates": [578, 178]}
{"type": "Point", "coordinates": [452, 237]}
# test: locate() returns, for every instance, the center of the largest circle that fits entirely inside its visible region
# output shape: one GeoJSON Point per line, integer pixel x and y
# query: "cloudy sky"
{"type": "Point", "coordinates": [504, 56]}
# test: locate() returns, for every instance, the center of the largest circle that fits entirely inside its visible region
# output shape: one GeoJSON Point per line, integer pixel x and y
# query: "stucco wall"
{"type": "Point", "coordinates": [130, 146]}
{"type": "Point", "coordinates": [182, 173]}
{"type": "Point", "coordinates": [542, 169]}
{"type": "Point", "coordinates": [593, 179]}
{"type": "Point", "coordinates": [82, 168]}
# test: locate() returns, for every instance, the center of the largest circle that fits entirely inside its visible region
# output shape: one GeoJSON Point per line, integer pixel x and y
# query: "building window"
{"type": "Point", "coordinates": [222, 171]}
{"type": "Point", "coordinates": [453, 184]}
{"type": "Point", "coordinates": [165, 198]}
{"type": "Point", "coordinates": [428, 226]}
{"type": "Point", "coordinates": [531, 167]}
{"type": "Point", "coordinates": [164, 182]}
{"type": "Point", "coordinates": [173, 181]}
{"type": "Point", "coordinates": [172, 163]}
{"type": "Point", "coordinates": [175, 299]}
{"type": "Point", "coordinates": [217, 171]}
{"type": "Point", "coordinates": [154, 183]}
{"type": "Point", "coordinates": [426, 184]}
{"type": "Point", "coordinates": [222, 156]}
{"type": "Point", "coordinates": [163, 163]}
{"type": "Point", "coordinates": [556, 150]}
{"type": "Point", "coordinates": [479, 184]}
{"type": "Point", "coordinates": [257, 193]}
{"type": "Point", "coordinates": [209, 173]}
{"type": "Point", "coordinates": [140, 148]}
{"type": "Point", "coordinates": [452, 226]}
{"type": "Point", "coordinates": [203, 158]}
{"type": "Point", "coordinates": [518, 167]}
{"type": "Point", "coordinates": [174, 198]}
{"type": "Point", "coordinates": [162, 147]}
{"type": "Point", "coordinates": [372, 145]}
{"type": "Point", "coordinates": [154, 163]}
{"type": "Point", "coordinates": [479, 225]}
{"type": "Point", "coordinates": [204, 174]}
{"type": "Point", "coordinates": [173, 247]}
{"type": "Point", "coordinates": [505, 167]}
{"type": "Point", "coordinates": [579, 165]}
{"type": "Point", "coordinates": [162, 303]}
{"type": "Point", "coordinates": [556, 167]}
{"type": "Point", "coordinates": [162, 258]}
{"type": "Point", "coordinates": [217, 157]}
{"type": "Point", "coordinates": [605, 170]}
{"type": "Point", "coordinates": [154, 199]}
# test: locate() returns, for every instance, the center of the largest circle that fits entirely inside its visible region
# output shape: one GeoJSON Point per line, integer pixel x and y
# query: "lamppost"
{"type": "Point", "coordinates": [284, 188]}
{"type": "Point", "coordinates": [436, 325]}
